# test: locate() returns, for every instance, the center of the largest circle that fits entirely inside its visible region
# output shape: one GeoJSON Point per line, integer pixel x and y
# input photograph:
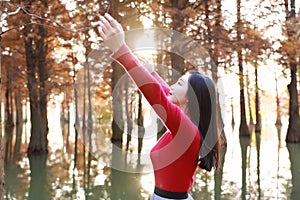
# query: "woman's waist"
{"type": "Point", "coordinates": [170, 194]}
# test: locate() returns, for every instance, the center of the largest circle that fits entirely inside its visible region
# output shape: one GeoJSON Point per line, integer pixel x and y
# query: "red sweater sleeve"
{"type": "Point", "coordinates": [152, 87]}
{"type": "Point", "coordinates": [162, 82]}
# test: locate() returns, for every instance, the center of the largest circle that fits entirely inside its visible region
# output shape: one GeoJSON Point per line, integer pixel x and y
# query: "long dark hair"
{"type": "Point", "coordinates": [201, 97]}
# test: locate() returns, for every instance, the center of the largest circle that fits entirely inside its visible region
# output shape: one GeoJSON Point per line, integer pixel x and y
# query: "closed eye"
{"type": "Point", "coordinates": [180, 82]}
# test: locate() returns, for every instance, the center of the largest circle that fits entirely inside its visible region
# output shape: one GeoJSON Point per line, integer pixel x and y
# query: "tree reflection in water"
{"type": "Point", "coordinates": [39, 185]}
{"type": "Point", "coordinates": [61, 174]}
{"type": "Point", "coordinates": [294, 152]}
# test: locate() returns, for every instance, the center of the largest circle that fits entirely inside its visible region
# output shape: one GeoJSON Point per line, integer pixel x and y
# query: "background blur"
{"type": "Point", "coordinates": [73, 125]}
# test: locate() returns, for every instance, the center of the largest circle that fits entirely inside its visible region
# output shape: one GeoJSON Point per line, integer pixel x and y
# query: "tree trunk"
{"type": "Point", "coordinates": [118, 121]}
{"type": "Point", "coordinates": [257, 103]}
{"type": "Point", "coordinates": [38, 139]}
{"type": "Point", "coordinates": [209, 34]}
{"type": "Point", "coordinates": [19, 124]}
{"type": "Point", "coordinates": [128, 111]}
{"type": "Point", "coordinates": [76, 123]}
{"type": "Point", "coordinates": [215, 54]}
{"type": "Point", "coordinates": [177, 61]}
{"type": "Point", "coordinates": [84, 123]}
{"type": "Point", "coordinates": [43, 78]}
{"type": "Point", "coordinates": [37, 75]}
{"type": "Point", "coordinates": [1, 170]}
{"type": "Point", "coordinates": [278, 111]}
{"type": "Point", "coordinates": [1, 148]}
{"type": "Point", "coordinates": [244, 130]}
{"type": "Point", "coordinates": [141, 129]}
{"type": "Point", "coordinates": [117, 103]}
{"type": "Point", "coordinates": [249, 98]}
{"type": "Point", "coordinates": [8, 101]}
{"type": "Point", "coordinates": [161, 129]}
{"type": "Point", "coordinates": [8, 124]}
{"type": "Point", "coordinates": [293, 132]}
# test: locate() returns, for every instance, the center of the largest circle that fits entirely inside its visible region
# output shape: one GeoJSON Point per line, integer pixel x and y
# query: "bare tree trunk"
{"type": "Point", "coordinates": [1, 148]}
{"type": "Point", "coordinates": [249, 98]}
{"type": "Point", "coordinates": [84, 124]}
{"type": "Point", "coordinates": [278, 110]}
{"type": "Point", "coordinates": [37, 75]}
{"type": "Point", "coordinates": [257, 103]}
{"type": "Point", "coordinates": [42, 49]}
{"type": "Point", "coordinates": [8, 123]}
{"type": "Point", "coordinates": [118, 72]}
{"type": "Point", "coordinates": [128, 111]}
{"type": "Point", "coordinates": [141, 129]}
{"type": "Point", "coordinates": [76, 124]}
{"type": "Point", "coordinates": [37, 143]}
{"type": "Point", "coordinates": [118, 122]}
{"type": "Point", "coordinates": [177, 25]}
{"type": "Point", "coordinates": [19, 124]}
{"type": "Point", "coordinates": [90, 126]}
{"type": "Point", "coordinates": [8, 101]}
{"type": "Point", "coordinates": [244, 130]}
{"type": "Point", "coordinates": [215, 59]}
{"type": "Point", "coordinates": [232, 114]}
{"type": "Point", "coordinates": [293, 132]}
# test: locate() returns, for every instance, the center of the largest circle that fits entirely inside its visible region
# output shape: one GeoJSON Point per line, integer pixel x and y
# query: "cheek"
{"type": "Point", "coordinates": [178, 97]}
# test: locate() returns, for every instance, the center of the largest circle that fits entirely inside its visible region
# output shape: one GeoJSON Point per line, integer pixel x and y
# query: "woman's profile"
{"type": "Point", "coordinates": [187, 109]}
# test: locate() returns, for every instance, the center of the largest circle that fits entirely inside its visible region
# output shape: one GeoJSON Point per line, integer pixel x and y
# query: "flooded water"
{"type": "Point", "coordinates": [262, 167]}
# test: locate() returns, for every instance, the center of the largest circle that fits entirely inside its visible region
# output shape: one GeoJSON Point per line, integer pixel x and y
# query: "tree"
{"type": "Point", "coordinates": [1, 149]}
{"type": "Point", "coordinates": [290, 48]}
{"type": "Point", "coordinates": [37, 75]}
{"type": "Point", "coordinates": [244, 130]}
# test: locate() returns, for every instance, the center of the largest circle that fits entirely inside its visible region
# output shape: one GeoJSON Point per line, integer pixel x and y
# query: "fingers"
{"type": "Point", "coordinates": [102, 34]}
{"type": "Point", "coordinates": [109, 25]}
{"type": "Point", "coordinates": [105, 25]}
{"type": "Point", "coordinates": [111, 20]}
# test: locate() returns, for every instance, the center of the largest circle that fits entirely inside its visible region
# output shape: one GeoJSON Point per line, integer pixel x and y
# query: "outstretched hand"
{"type": "Point", "coordinates": [111, 32]}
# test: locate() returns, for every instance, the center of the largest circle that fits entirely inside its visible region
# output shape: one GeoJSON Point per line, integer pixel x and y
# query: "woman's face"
{"type": "Point", "coordinates": [178, 91]}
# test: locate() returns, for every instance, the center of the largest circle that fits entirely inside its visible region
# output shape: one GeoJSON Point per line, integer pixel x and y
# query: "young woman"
{"type": "Point", "coordinates": [187, 109]}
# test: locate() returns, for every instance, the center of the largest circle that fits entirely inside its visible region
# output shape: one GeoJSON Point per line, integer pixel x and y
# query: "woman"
{"type": "Point", "coordinates": [187, 109]}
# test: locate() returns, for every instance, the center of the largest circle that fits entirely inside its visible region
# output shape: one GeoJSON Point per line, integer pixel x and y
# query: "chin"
{"type": "Point", "coordinates": [172, 99]}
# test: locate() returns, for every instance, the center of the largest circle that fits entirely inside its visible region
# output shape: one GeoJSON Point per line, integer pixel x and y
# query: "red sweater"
{"type": "Point", "coordinates": [175, 155]}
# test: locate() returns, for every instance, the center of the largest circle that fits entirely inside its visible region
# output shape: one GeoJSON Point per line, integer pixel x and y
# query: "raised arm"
{"type": "Point", "coordinates": [154, 89]}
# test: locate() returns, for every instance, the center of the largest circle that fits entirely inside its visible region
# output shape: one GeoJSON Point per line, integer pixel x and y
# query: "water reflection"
{"type": "Point", "coordinates": [218, 177]}
{"type": "Point", "coordinates": [245, 143]}
{"type": "Point", "coordinates": [250, 169]}
{"type": "Point", "coordinates": [258, 142]}
{"type": "Point", "coordinates": [39, 187]}
{"type": "Point", "coordinates": [294, 150]}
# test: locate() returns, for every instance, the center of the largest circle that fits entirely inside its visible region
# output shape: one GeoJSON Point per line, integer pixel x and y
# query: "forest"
{"type": "Point", "coordinates": [51, 54]}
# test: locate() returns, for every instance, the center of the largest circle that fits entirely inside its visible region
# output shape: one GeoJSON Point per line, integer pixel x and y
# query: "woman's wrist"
{"type": "Point", "coordinates": [123, 49]}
